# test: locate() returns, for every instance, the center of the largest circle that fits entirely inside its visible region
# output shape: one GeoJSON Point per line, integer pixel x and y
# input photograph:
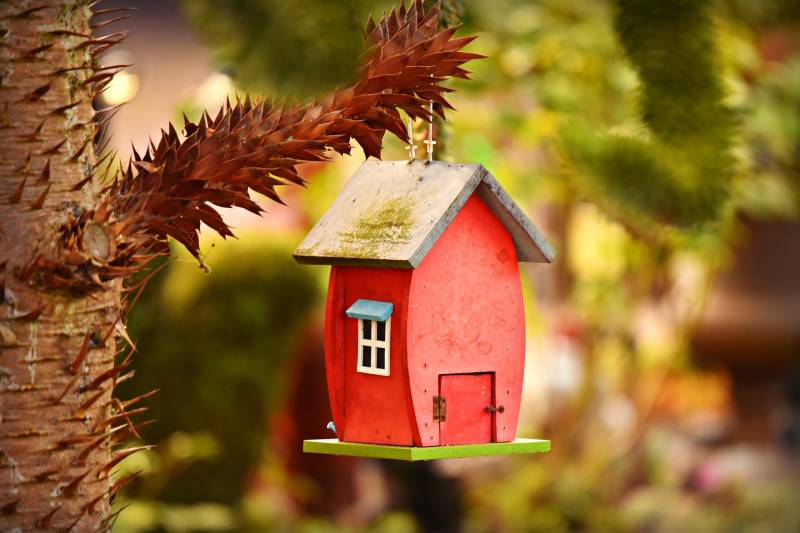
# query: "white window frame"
{"type": "Point", "coordinates": [374, 344]}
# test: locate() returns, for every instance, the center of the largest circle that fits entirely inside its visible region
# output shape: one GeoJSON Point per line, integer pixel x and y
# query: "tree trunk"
{"type": "Point", "coordinates": [57, 346]}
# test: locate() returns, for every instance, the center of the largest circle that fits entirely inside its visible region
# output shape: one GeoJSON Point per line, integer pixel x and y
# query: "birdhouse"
{"type": "Point", "coordinates": [424, 327]}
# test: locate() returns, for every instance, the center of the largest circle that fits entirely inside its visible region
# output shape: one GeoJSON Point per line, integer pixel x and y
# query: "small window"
{"type": "Point", "coordinates": [374, 335]}
{"type": "Point", "coordinates": [373, 346]}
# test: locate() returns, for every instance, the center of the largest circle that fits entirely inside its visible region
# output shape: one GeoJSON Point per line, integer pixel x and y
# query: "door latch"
{"type": "Point", "coordinates": [492, 409]}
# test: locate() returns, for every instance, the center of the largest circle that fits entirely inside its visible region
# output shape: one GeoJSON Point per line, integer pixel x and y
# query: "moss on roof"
{"type": "Point", "coordinates": [391, 213]}
{"type": "Point", "coordinates": [386, 224]}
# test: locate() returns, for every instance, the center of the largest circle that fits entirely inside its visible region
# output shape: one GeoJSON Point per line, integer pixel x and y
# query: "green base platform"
{"type": "Point", "coordinates": [420, 453]}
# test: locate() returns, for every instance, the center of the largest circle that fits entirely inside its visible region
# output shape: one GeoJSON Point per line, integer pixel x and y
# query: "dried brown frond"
{"type": "Point", "coordinates": [174, 187]}
{"type": "Point", "coordinates": [171, 188]}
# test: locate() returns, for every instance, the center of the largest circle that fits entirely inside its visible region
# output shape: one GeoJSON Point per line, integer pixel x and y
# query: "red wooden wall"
{"type": "Point", "coordinates": [366, 407]}
{"type": "Point", "coordinates": [466, 316]}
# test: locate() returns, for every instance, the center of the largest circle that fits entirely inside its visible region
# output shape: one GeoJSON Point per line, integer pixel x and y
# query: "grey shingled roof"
{"type": "Point", "coordinates": [391, 213]}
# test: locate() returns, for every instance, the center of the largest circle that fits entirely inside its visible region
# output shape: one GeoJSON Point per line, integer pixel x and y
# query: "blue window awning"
{"type": "Point", "coordinates": [370, 310]}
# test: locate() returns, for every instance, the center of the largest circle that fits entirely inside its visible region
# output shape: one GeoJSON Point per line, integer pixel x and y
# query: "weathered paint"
{"type": "Point", "coordinates": [467, 421]}
{"type": "Point", "coordinates": [417, 453]}
{"type": "Point", "coordinates": [367, 407]}
{"type": "Point", "coordinates": [466, 316]}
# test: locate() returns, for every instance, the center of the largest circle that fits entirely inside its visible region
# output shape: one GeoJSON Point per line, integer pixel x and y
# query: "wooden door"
{"type": "Point", "coordinates": [466, 418]}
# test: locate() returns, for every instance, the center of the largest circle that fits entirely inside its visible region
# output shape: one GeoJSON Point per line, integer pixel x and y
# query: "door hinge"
{"type": "Point", "coordinates": [439, 408]}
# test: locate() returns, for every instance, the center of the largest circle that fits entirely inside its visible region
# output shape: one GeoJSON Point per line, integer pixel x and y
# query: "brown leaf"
{"type": "Point", "coordinates": [168, 190]}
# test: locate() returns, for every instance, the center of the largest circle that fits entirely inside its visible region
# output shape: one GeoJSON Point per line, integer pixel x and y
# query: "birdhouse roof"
{"type": "Point", "coordinates": [391, 213]}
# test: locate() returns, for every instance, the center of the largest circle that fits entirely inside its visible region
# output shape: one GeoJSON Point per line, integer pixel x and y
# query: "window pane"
{"type": "Point", "coordinates": [381, 359]}
{"type": "Point", "coordinates": [367, 327]}
{"type": "Point", "coordinates": [366, 356]}
{"type": "Point", "coordinates": [381, 331]}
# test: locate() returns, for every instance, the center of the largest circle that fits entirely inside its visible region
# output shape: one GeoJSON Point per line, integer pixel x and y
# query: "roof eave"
{"type": "Point", "coordinates": [352, 261]}
{"type": "Point", "coordinates": [530, 244]}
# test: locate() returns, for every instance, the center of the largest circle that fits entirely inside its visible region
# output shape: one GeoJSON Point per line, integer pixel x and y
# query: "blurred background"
{"type": "Point", "coordinates": [658, 148]}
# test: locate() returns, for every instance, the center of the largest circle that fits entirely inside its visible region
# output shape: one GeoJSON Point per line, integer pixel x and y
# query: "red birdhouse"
{"type": "Point", "coordinates": [424, 328]}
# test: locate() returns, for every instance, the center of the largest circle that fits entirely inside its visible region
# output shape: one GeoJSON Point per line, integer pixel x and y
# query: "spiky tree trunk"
{"type": "Point", "coordinates": [69, 243]}
{"type": "Point", "coordinates": [56, 345]}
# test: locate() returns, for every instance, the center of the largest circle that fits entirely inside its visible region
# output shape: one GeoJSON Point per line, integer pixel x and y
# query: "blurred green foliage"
{"type": "Point", "coordinates": [294, 49]}
{"type": "Point", "coordinates": [678, 166]}
{"type": "Point", "coordinates": [216, 346]}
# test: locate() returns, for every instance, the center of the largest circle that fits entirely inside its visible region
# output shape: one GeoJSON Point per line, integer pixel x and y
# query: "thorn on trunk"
{"type": "Point", "coordinates": [71, 526]}
{"type": "Point", "coordinates": [111, 10]}
{"type": "Point", "coordinates": [124, 414]}
{"type": "Point", "coordinates": [80, 412]}
{"type": "Point", "coordinates": [108, 523]}
{"type": "Point", "coordinates": [9, 508]}
{"type": "Point", "coordinates": [80, 185]}
{"type": "Point", "coordinates": [78, 361]}
{"type": "Point", "coordinates": [120, 456]}
{"type": "Point", "coordinates": [37, 93]}
{"type": "Point", "coordinates": [63, 108]}
{"type": "Point", "coordinates": [102, 43]}
{"type": "Point", "coordinates": [105, 376]}
{"type": "Point", "coordinates": [25, 167]}
{"type": "Point", "coordinates": [27, 55]}
{"type": "Point", "coordinates": [77, 154]}
{"type": "Point", "coordinates": [44, 522]}
{"type": "Point", "coordinates": [32, 136]}
{"type": "Point", "coordinates": [89, 508]}
{"type": "Point", "coordinates": [16, 196]}
{"type": "Point", "coordinates": [60, 32]}
{"type": "Point", "coordinates": [139, 398]}
{"type": "Point", "coordinates": [118, 484]}
{"type": "Point", "coordinates": [102, 76]}
{"type": "Point", "coordinates": [131, 430]}
{"type": "Point", "coordinates": [99, 25]}
{"type": "Point", "coordinates": [45, 175]}
{"type": "Point", "coordinates": [125, 377]}
{"type": "Point", "coordinates": [127, 416]}
{"type": "Point", "coordinates": [58, 72]}
{"type": "Point", "coordinates": [66, 389]}
{"type": "Point", "coordinates": [39, 202]}
{"type": "Point", "coordinates": [72, 487]}
{"type": "Point", "coordinates": [71, 441]}
{"type": "Point", "coordinates": [25, 13]}
{"type": "Point", "coordinates": [92, 446]}
{"type": "Point", "coordinates": [54, 149]}
{"type": "Point", "coordinates": [45, 475]}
